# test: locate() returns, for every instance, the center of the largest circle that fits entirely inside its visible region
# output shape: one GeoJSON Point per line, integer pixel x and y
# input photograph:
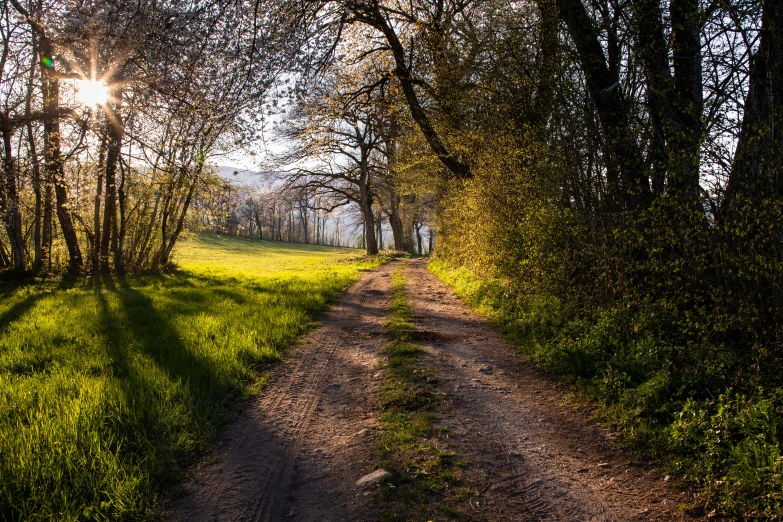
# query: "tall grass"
{"type": "Point", "coordinates": [109, 387]}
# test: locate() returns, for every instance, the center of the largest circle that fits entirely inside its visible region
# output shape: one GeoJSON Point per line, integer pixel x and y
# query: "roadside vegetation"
{"type": "Point", "coordinates": [110, 386]}
{"type": "Point", "coordinates": [611, 173]}
{"type": "Point", "coordinates": [424, 475]}
{"type": "Point", "coordinates": [713, 417]}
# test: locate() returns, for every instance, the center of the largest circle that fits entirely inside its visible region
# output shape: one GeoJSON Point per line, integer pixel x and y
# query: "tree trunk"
{"type": "Point", "coordinates": [688, 102]}
{"type": "Point", "coordinates": [114, 132]}
{"type": "Point", "coordinates": [12, 217]}
{"type": "Point", "coordinates": [146, 244]}
{"type": "Point", "coordinates": [36, 168]}
{"type": "Point", "coordinates": [410, 233]}
{"type": "Point", "coordinates": [365, 203]}
{"type": "Point", "coordinates": [549, 30]}
{"type": "Point", "coordinates": [395, 221]}
{"type": "Point", "coordinates": [54, 161]}
{"type": "Point", "coordinates": [757, 172]}
{"type": "Point", "coordinates": [627, 179]}
{"type": "Point", "coordinates": [5, 261]}
{"type": "Point", "coordinates": [96, 246]}
{"type": "Point", "coordinates": [305, 225]}
{"type": "Point", "coordinates": [120, 225]}
{"type": "Point", "coordinates": [370, 241]}
{"type": "Point", "coordinates": [37, 224]}
{"type": "Point", "coordinates": [46, 225]}
{"type": "Point", "coordinates": [379, 231]}
{"type": "Point", "coordinates": [180, 223]}
{"type": "Point", "coordinates": [675, 99]}
{"type": "Point", "coordinates": [258, 218]}
{"type": "Point", "coordinates": [50, 88]}
{"type": "Point", "coordinates": [37, 182]}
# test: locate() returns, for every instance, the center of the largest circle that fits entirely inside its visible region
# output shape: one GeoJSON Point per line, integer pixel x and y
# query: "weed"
{"type": "Point", "coordinates": [411, 446]}
{"type": "Point", "coordinates": [692, 404]}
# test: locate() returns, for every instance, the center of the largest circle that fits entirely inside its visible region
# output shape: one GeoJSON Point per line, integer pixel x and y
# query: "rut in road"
{"type": "Point", "coordinates": [299, 447]}
{"type": "Point", "coordinates": [530, 454]}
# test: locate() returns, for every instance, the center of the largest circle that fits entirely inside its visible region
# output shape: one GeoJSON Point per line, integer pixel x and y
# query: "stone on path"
{"type": "Point", "coordinates": [373, 478]}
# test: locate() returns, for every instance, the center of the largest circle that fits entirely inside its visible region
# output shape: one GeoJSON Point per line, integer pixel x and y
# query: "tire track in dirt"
{"type": "Point", "coordinates": [297, 450]}
{"type": "Point", "coordinates": [531, 456]}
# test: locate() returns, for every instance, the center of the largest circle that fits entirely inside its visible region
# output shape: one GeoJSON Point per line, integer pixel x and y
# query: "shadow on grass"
{"type": "Point", "coordinates": [141, 342]}
{"type": "Point", "coordinates": [194, 289]}
{"type": "Point", "coordinates": [17, 310]}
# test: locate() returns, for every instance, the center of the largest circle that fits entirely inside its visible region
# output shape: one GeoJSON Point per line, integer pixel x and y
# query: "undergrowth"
{"type": "Point", "coordinates": [411, 446]}
{"type": "Point", "coordinates": [110, 387]}
{"type": "Point", "coordinates": [674, 396]}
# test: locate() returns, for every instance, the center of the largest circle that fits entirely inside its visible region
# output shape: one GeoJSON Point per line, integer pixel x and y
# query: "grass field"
{"type": "Point", "coordinates": [109, 387]}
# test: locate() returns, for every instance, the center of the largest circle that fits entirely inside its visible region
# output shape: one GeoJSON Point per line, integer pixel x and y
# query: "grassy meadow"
{"type": "Point", "coordinates": [109, 387]}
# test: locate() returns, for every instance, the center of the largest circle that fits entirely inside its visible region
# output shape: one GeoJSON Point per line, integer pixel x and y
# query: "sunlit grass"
{"type": "Point", "coordinates": [108, 388]}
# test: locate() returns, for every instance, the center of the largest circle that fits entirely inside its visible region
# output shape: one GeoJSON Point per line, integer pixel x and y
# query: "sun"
{"type": "Point", "coordinates": [91, 92]}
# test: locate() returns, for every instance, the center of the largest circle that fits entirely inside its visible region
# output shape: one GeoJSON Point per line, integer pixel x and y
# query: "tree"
{"type": "Point", "coordinates": [340, 154]}
{"type": "Point", "coordinates": [142, 176]}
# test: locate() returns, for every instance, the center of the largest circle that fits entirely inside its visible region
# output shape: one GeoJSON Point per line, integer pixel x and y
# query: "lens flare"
{"type": "Point", "coordinates": [91, 92]}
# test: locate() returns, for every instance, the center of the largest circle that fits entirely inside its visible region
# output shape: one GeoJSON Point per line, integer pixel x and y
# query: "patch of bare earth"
{"type": "Point", "coordinates": [300, 446]}
{"type": "Point", "coordinates": [531, 456]}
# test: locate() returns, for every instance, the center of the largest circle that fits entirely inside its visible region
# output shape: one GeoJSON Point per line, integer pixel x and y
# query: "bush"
{"type": "Point", "coordinates": [655, 382]}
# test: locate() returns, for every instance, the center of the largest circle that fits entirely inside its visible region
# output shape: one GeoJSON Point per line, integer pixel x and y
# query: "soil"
{"type": "Point", "coordinates": [298, 449]}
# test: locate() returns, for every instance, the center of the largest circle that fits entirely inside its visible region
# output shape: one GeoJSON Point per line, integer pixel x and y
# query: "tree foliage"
{"type": "Point", "coordinates": [120, 174]}
{"type": "Point", "coordinates": [614, 167]}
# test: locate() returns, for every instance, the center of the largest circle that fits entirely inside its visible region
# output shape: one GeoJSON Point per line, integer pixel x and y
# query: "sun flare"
{"type": "Point", "coordinates": [91, 92]}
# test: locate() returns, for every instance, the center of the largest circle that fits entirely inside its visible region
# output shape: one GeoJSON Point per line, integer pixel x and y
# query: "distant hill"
{"type": "Point", "coordinates": [242, 176]}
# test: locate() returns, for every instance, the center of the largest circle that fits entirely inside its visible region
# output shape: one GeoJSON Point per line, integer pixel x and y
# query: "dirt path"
{"type": "Point", "coordinates": [297, 451]}
{"type": "Point", "coordinates": [533, 455]}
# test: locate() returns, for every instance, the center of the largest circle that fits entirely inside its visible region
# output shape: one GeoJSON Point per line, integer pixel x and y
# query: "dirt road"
{"type": "Point", "coordinates": [298, 450]}
{"type": "Point", "coordinates": [536, 457]}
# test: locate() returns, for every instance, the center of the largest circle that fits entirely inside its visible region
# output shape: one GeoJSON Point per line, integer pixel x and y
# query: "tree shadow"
{"type": "Point", "coordinates": [20, 308]}
{"type": "Point", "coordinates": [155, 336]}
{"type": "Point", "coordinates": [142, 343]}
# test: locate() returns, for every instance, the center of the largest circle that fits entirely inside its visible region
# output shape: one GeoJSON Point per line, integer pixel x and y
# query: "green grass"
{"type": "Point", "coordinates": [109, 388]}
{"type": "Point", "coordinates": [425, 475]}
{"type": "Point", "coordinates": [667, 396]}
